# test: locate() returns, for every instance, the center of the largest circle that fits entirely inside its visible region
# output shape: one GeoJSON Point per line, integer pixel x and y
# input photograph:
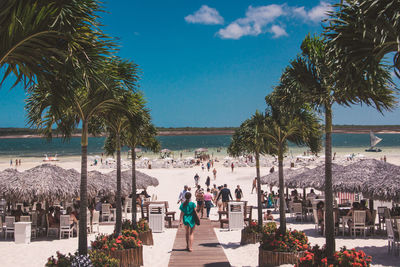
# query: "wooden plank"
{"type": "Point", "coordinates": [207, 251]}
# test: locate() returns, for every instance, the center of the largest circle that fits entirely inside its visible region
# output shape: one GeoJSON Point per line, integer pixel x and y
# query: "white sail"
{"type": "Point", "coordinates": [374, 139]}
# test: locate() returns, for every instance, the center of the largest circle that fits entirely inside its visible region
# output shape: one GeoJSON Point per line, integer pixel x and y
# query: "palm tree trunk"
{"type": "Point", "coordinates": [259, 204]}
{"type": "Point", "coordinates": [134, 207]}
{"type": "Point", "coordinates": [82, 239]}
{"type": "Point", "coordinates": [118, 220]}
{"type": "Point", "coordinates": [329, 224]}
{"type": "Point", "coordinates": [282, 204]}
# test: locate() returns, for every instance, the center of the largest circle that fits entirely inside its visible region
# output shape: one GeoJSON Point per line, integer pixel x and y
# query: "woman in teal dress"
{"type": "Point", "coordinates": [187, 208]}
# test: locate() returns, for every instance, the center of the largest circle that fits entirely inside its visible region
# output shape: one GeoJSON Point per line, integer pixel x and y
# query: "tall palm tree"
{"type": "Point", "coordinates": [80, 101]}
{"type": "Point", "coordinates": [297, 124]}
{"type": "Point", "coordinates": [140, 132]}
{"type": "Point", "coordinates": [115, 119]}
{"type": "Point", "coordinates": [249, 139]}
{"type": "Point", "coordinates": [312, 78]}
{"type": "Point", "coordinates": [363, 33]}
{"type": "Point", "coordinates": [128, 126]}
{"type": "Point", "coordinates": [38, 37]}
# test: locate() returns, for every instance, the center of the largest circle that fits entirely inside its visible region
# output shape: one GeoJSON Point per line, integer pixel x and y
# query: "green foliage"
{"type": "Point", "coordinates": [141, 226]}
{"type": "Point", "coordinates": [362, 33]}
{"type": "Point", "coordinates": [292, 241]}
{"type": "Point", "coordinates": [40, 37]}
{"type": "Point", "coordinates": [126, 240]}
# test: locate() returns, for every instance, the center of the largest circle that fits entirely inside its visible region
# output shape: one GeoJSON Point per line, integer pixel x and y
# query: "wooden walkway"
{"type": "Point", "coordinates": [207, 251]}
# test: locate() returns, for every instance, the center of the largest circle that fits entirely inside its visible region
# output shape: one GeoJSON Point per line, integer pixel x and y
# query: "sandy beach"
{"type": "Point", "coordinates": [172, 181]}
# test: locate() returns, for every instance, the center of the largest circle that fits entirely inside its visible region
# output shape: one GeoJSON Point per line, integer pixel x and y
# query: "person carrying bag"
{"type": "Point", "coordinates": [189, 218]}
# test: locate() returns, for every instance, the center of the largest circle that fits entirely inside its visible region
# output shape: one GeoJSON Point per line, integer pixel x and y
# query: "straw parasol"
{"type": "Point", "coordinates": [43, 182]}
{"type": "Point", "coordinates": [314, 178]}
{"type": "Point", "coordinates": [373, 178]}
{"type": "Point", "coordinates": [142, 182]}
{"type": "Point", "coordinates": [288, 174]}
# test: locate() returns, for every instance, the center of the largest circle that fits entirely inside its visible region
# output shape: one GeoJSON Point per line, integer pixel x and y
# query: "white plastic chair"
{"type": "Point", "coordinates": [128, 206]}
{"type": "Point", "coordinates": [65, 226]}
{"type": "Point", "coordinates": [105, 211]}
{"type": "Point", "coordinates": [358, 221]}
{"type": "Point", "coordinates": [49, 229]}
{"type": "Point", "coordinates": [10, 220]}
{"type": "Point", "coordinates": [95, 221]}
{"type": "Point", "coordinates": [393, 242]}
{"type": "Point", "coordinates": [297, 210]}
{"type": "Point", "coordinates": [88, 221]}
{"type": "Point", "coordinates": [34, 227]}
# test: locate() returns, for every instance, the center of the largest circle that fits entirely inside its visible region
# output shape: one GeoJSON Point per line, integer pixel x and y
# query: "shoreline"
{"type": "Point", "coordinates": [338, 130]}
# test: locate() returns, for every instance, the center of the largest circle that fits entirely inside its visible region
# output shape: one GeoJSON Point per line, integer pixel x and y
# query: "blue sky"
{"type": "Point", "coordinates": [208, 63]}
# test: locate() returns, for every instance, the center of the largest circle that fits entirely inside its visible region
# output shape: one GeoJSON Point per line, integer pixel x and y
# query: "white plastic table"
{"type": "Point", "coordinates": [22, 232]}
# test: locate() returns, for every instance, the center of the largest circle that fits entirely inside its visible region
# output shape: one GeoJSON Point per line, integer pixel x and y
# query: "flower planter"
{"type": "Point", "coordinates": [146, 238]}
{"type": "Point", "coordinates": [132, 257]}
{"type": "Point", "coordinates": [268, 258]}
{"type": "Point", "coordinates": [249, 237]}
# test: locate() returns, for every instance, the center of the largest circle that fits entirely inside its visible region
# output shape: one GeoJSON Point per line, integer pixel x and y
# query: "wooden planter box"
{"type": "Point", "coordinates": [146, 238]}
{"type": "Point", "coordinates": [268, 258]}
{"type": "Point", "coordinates": [132, 257]}
{"type": "Point", "coordinates": [249, 238]}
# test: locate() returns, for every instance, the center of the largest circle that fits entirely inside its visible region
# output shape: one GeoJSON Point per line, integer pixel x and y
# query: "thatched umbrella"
{"type": "Point", "coordinates": [43, 182]}
{"type": "Point", "coordinates": [373, 178]}
{"type": "Point", "coordinates": [288, 174]}
{"type": "Point", "coordinates": [314, 178]}
{"type": "Point", "coordinates": [142, 181]}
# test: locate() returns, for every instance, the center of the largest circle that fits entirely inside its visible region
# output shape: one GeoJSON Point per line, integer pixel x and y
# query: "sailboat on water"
{"type": "Point", "coordinates": [374, 140]}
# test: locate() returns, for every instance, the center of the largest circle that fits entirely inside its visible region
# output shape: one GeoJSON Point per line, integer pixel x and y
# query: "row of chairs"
{"type": "Point", "coordinates": [65, 226]}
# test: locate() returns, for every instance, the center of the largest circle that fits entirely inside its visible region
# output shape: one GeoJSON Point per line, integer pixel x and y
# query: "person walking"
{"type": "Point", "coordinates": [254, 185]}
{"type": "Point", "coordinates": [215, 174]}
{"type": "Point", "coordinates": [208, 166]}
{"type": "Point", "coordinates": [238, 193]}
{"type": "Point", "coordinates": [208, 182]}
{"type": "Point", "coordinates": [214, 192]}
{"type": "Point", "coordinates": [187, 208]}
{"type": "Point", "coordinates": [196, 179]}
{"type": "Point", "coordinates": [232, 166]}
{"type": "Point", "coordinates": [200, 200]}
{"type": "Point", "coordinates": [225, 194]}
{"type": "Point", "coordinates": [182, 194]}
{"type": "Point", "coordinates": [207, 199]}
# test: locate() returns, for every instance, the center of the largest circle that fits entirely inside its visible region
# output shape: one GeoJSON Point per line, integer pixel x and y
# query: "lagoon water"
{"type": "Point", "coordinates": [36, 147]}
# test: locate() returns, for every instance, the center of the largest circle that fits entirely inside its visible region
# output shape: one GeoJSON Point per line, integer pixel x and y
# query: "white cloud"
{"type": "Point", "coordinates": [278, 31]}
{"type": "Point", "coordinates": [316, 14]}
{"type": "Point", "coordinates": [205, 15]}
{"type": "Point", "coordinates": [254, 23]}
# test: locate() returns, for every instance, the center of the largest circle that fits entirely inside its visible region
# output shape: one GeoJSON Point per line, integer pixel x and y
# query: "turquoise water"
{"type": "Point", "coordinates": [29, 147]}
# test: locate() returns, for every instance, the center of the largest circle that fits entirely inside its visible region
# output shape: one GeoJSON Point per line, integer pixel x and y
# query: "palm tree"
{"type": "Point", "coordinates": [140, 133]}
{"type": "Point", "coordinates": [249, 139]}
{"type": "Point", "coordinates": [80, 101]}
{"type": "Point", "coordinates": [129, 126]}
{"type": "Point", "coordinates": [39, 37]}
{"type": "Point", "coordinates": [312, 78]}
{"type": "Point", "coordinates": [363, 33]}
{"type": "Point", "coordinates": [297, 124]}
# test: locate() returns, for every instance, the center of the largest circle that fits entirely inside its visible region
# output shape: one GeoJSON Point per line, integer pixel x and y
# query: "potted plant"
{"type": "Point", "coordinates": [143, 230]}
{"type": "Point", "coordinates": [276, 249]}
{"type": "Point", "coordinates": [251, 234]}
{"type": "Point", "coordinates": [127, 248]}
{"type": "Point", "coordinates": [316, 257]}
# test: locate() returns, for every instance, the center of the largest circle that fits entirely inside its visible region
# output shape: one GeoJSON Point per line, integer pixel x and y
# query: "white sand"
{"type": "Point", "coordinates": [171, 183]}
